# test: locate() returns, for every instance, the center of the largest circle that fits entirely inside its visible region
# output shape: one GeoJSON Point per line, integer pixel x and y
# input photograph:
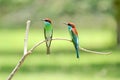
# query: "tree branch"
{"type": "Point", "coordinates": [26, 36]}
{"type": "Point", "coordinates": [95, 52]}
{"type": "Point", "coordinates": [84, 49]}
{"type": "Point", "coordinates": [26, 53]}
{"type": "Point", "coordinates": [17, 67]}
{"type": "Point", "coordinates": [39, 43]}
{"type": "Point", "coordinates": [81, 48]}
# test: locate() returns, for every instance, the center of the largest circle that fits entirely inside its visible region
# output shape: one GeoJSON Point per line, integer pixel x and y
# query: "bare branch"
{"type": "Point", "coordinates": [39, 43]}
{"type": "Point", "coordinates": [17, 67]}
{"type": "Point", "coordinates": [81, 48]}
{"type": "Point", "coordinates": [95, 52]}
{"type": "Point", "coordinates": [84, 49]}
{"type": "Point", "coordinates": [26, 36]}
{"type": "Point", "coordinates": [26, 53]}
{"type": "Point", "coordinates": [36, 45]}
{"type": "Point", "coordinates": [62, 39]}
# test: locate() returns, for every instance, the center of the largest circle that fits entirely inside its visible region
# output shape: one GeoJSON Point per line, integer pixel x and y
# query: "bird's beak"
{"type": "Point", "coordinates": [42, 19]}
{"type": "Point", "coordinates": [65, 23]}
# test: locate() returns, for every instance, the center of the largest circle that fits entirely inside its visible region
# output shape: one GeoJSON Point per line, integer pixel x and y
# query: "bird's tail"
{"type": "Point", "coordinates": [48, 50]}
{"type": "Point", "coordinates": [77, 51]}
{"type": "Point", "coordinates": [48, 43]}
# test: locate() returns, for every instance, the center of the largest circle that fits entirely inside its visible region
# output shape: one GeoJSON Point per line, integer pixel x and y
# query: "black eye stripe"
{"type": "Point", "coordinates": [69, 24]}
{"type": "Point", "coordinates": [48, 21]}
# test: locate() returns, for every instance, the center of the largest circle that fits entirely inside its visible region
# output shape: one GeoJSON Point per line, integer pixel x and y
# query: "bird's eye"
{"type": "Point", "coordinates": [69, 25]}
{"type": "Point", "coordinates": [48, 21]}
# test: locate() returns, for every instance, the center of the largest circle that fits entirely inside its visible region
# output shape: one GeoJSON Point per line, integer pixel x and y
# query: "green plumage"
{"type": "Point", "coordinates": [48, 33]}
{"type": "Point", "coordinates": [74, 38]}
{"type": "Point", "coordinates": [75, 43]}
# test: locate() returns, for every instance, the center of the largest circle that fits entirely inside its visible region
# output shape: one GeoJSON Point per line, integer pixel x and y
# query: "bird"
{"type": "Point", "coordinates": [48, 33]}
{"type": "Point", "coordinates": [74, 36]}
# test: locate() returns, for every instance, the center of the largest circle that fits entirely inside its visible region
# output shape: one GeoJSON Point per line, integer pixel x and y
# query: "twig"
{"type": "Point", "coordinates": [81, 48]}
{"type": "Point", "coordinates": [36, 45]}
{"type": "Point", "coordinates": [26, 36]}
{"type": "Point", "coordinates": [17, 67]}
{"type": "Point", "coordinates": [26, 53]}
{"type": "Point", "coordinates": [39, 43]}
{"type": "Point", "coordinates": [95, 52]}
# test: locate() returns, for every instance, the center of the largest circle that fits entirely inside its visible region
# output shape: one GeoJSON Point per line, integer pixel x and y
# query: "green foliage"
{"type": "Point", "coordinates": [35, 9]}
{"type": "Point", "coordinates": [8, 6]}
{"type": "Point", "coordinates": [63, 65]}
{"type": "Point", "coordinates": [69, 8]}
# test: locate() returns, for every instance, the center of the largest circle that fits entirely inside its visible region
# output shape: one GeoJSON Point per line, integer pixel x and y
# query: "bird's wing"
{"type": "Point", "coordinates": [45, 33]}
{"type": "Point", "coordinates": [51, 34]}
{"type": "Point", "coordinates": [74, 31]}
{"type": "Point", "coordinates": [74, 35]}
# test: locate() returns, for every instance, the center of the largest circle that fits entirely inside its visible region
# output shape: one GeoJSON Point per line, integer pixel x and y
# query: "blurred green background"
{"type": "Point", "coordinates": [96, 26]}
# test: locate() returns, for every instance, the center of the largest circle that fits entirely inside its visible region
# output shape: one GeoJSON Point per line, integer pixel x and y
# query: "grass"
{"type": "Point", "coordinates": [59, 76]}
{"type": "Point", "coordinates": [62, 63]}
{"type": "Point", "coordinates": [88, 67]}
